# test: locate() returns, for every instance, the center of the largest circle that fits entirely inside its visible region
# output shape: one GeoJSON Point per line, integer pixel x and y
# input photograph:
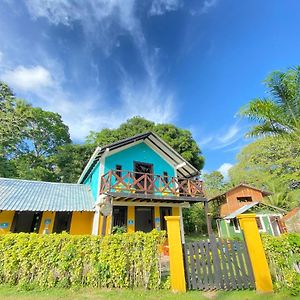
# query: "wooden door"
{"type": "Point", "coordinates": [144, 170]}
{"type": "Point", "coordinates": [144, 218]}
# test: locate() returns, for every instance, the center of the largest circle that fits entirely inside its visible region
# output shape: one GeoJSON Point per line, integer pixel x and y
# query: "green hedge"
{"type": "Point", "coordinates": [283, 252]}
{"type": "Point", "coordinates": [62, 260]}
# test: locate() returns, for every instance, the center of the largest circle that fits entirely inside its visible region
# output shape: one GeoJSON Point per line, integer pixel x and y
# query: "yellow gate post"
{"type": "Point", "coordinates": [261, 271]}
{"type": "Point", "coordinates": [176, 256]}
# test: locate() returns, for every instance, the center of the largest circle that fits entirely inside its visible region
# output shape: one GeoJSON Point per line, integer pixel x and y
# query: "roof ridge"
{"type": "Point", "coordinates": [41, 181]}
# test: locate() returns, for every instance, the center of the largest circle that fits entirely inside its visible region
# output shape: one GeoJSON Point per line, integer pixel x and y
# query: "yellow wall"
{"type": "Point", "coordinates": [108, 225]}
{"type": "Point", "coordinates": [47, 215]}
{"type": "Point", "coordinates": [81, 223]}
{"type": "Point", "coordinates": [157, 217]}
{"type": "Point", "coordinates": [6, 217]}
{"type": "Point", "coordinates": [175, 211]}
{"type": "Point", "coordinates": [100, 225]}
{"type": "Point", "coordinates": [130, 217]}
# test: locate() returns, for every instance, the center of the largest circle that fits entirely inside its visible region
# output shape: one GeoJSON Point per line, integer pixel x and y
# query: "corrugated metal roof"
{"type": "Point", "coordinates": [28, 195]}
{"type": "Point", "coordinates": [241, 210]}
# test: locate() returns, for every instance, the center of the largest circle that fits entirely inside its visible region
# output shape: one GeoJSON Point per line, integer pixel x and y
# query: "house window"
{"type": "Point", "coordinates": [244, 199]}
{"type": "Point", "coordinates": [166, 177]}
{"type": "Point", "coordinates": [259, 224]}
{"type": "Point", "coordinates": [119, 170]}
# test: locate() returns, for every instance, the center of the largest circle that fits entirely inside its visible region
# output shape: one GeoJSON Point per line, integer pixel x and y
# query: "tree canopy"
{"type": "Point", "coordinates": [278, 114]}
{"type": "Point", "coordinates": [35, 143]}
{"type": "Point", "coordinates": [179, 139]}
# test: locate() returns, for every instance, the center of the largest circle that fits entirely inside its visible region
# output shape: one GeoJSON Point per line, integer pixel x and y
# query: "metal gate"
{"type": "Point", "coordinates": [217, 264]}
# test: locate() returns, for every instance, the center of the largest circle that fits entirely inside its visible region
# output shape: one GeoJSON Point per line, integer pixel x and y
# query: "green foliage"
{"type": "Point", "coordinates": [60, 260]}
{"type": "Point", "coordinates": [179, 139]}
{"type": "Point", "coordinates": [283, 253]}
{"type": "Point", "coordinates": [214, 184]}
{"type": "Point", "coordinates": [194, 219]}
{"type": "Point", "coordinates": [279, 114]}
{"type": "Point", "coordinates": [70, 160]}
{"type": "Point", "coordinates": [14, 115]}
{"type": "Point", "coordinates": [273, 164]}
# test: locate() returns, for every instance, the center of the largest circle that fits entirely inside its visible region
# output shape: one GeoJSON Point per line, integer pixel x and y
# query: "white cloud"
{"type": "Point", "coordinates": [205, 7]}
{"type": "Point", "coordinates": [160, 7]}
{"type": "Point", "coordinates": [230, 134]}
{"type": "Point", "coordinates": [28, 79]}
{"type": "Point", "coordinates": [224, 168]}
{"type": "Point", "coordinates": [224, 138]}
{"type": "Point", "coordinates": [102, 23]}
{"type": "Point", "coordinates": [1, 56]}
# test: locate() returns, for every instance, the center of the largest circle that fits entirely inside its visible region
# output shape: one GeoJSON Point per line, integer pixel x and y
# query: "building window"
{"type": "Point", "coordinates": [166, 177]}
{"type": "Point", "coordinates": [244, 199]}
{"type": "Point", "coordinates": [259, 224]}
{"type": "Point", "coordinates": [236, 225]}
{"type": "Point", "coordinates": [119, 170]}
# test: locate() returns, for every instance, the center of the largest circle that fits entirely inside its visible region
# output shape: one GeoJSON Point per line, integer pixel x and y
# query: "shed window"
{"type": "Point", "coordinates": [259, 224]}
{"type": "Point", "coordinates": [244, 199]}
{"type": "Point", "coordinates": [236, 224]}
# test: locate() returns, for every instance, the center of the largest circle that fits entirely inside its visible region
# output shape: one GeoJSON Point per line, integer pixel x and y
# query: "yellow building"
{"type": "Point", "coordinates": [131, 184]}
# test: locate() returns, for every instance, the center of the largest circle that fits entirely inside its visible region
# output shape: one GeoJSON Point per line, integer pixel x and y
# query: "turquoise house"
{"type": "Point", "coordinates": [138, 181]}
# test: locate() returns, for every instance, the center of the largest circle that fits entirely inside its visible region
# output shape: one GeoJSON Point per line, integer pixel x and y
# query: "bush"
{"type": "Point", "coordinates": [283, 253]}
{"type": "Point", "coordinates": [61, 260]}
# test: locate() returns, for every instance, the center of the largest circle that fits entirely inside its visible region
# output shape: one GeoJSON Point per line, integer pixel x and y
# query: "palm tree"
{"type": "Point", "coordinates": [279, 114]}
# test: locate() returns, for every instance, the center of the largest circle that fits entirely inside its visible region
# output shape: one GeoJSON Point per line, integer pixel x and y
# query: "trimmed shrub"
{"type": "Point", "coordinates": [62, 260]}
{"type": "Point", "coordinates": [283, 253]}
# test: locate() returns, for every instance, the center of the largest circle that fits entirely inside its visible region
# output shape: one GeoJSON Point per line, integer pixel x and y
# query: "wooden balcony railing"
{"type": "Point", "coordinates": [144, 183]}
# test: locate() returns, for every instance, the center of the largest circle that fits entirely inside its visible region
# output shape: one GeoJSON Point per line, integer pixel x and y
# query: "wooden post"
{"type": "Point", "coordinates": [176, 256]}
{"type": "Point", "coordinates": [261, 271]}
{"type": "Point", "coordinates": [208, 219]}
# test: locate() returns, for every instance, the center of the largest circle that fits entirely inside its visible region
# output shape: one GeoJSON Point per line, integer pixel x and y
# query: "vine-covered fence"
{"type": "Point", "coordinates": [120, 260]}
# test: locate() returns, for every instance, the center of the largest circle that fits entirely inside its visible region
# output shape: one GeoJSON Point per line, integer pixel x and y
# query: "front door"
{"type": "Point", "coordinates": [144, 218]}
{"type": "Point", "coordinates": [62, 221]}
{"type": "Point", "coordinates": [164, 212]}
{"type": "Point", "coordinates": [26, 221]}
{"type": "Point", "coordinates": [143, 185]}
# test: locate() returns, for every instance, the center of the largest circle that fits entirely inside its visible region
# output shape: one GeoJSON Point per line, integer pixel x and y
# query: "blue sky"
{"type": "Point", "coordinates": [191, 63]}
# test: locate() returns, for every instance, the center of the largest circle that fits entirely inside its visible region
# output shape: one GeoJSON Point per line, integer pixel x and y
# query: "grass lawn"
{"type": "Point", "coordinates": [88, 293]}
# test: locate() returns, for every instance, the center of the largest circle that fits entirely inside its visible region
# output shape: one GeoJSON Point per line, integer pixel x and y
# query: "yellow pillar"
{"type": "Point", "coordinates": [176, 256]}
{"type": "Point", "coordinates": [261, 271]}
{"type": "Point", "coordinates": [130, 218]}
{"type": "Point", "coordinates": [108, 225]}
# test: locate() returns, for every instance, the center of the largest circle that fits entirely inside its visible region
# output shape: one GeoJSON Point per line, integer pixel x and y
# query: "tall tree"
{"type": "Point", "coordinates": [278, 114]}
{"type": "Point", "coordinates": [214, 184]}
{"type": "Point", "coordinates": [14, 115]}
{"type": "Point", "coordinates": [70, 160]}
{"type": "Point", "coordinates": [181, 140]}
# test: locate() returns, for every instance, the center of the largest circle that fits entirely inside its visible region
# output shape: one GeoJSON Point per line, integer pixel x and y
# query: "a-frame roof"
{"type": "Point", "coordinates": [264, 193]}
{"type": "Point", "coordinates": [184, 168]}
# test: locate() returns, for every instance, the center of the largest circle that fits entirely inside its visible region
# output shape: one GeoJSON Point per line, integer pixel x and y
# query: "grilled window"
{"type": "Point", "coordinates": [244, 199]}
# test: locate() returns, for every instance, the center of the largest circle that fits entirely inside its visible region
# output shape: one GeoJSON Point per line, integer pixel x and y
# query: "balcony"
{"type": "Point", "coordinates": [151, 186]}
